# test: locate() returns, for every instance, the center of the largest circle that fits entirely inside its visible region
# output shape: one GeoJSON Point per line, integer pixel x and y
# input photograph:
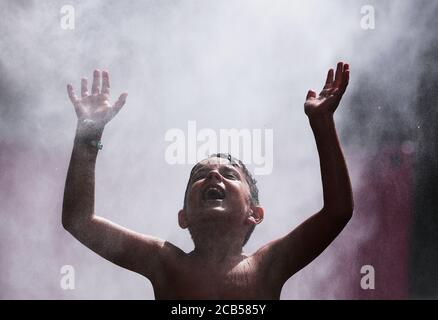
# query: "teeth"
{"type": "Point", "coordinates": [218, 193]}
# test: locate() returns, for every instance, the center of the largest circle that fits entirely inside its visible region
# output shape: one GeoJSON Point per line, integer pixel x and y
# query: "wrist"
{"type": "Point", "coordinates": [89, 133]}
{"type": "Point", "coordinates": [320, 118]}
{"type": "Point", "coordinates": [89, 128]}
{"type": "Point", "coordinates": [322, 124]}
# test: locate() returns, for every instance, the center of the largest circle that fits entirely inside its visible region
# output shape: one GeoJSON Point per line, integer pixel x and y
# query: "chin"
{"type": "Point", "coordinates": [215, 209]}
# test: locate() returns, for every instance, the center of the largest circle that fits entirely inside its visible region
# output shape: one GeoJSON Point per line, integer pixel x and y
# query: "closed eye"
{"type": "Point", "coordinates": [198, 177]}
{"type": "Point", "coordinates": [231, 175]}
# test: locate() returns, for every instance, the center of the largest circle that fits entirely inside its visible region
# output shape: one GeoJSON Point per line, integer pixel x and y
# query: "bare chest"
{"type": "Point", "coordinates": [192, 281]}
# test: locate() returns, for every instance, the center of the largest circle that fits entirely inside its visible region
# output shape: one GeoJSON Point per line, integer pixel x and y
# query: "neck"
{"type": "Point", "coordinates": [217, 245]}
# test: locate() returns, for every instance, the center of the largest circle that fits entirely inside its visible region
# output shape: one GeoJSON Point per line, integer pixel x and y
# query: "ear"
{"type": "Point", "coordinates": [256, 216]}
{"type": "Point", "coordinates": [182, 219]}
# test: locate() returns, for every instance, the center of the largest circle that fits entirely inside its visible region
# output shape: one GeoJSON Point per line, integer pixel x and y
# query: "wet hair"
{"type": "Point", "coordinates": [252, 182]}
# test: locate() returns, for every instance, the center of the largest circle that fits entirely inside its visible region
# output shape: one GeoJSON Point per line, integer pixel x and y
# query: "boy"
{"type": "Point", "coordinates": [220, 210]}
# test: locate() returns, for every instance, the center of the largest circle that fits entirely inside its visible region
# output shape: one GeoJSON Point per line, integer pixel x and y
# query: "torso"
{"type": "Point", "coordinates": [186, 278]}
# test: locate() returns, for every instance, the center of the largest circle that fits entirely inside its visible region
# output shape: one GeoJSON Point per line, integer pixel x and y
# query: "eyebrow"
{"type": "Point", "coordinates": [227, 166]}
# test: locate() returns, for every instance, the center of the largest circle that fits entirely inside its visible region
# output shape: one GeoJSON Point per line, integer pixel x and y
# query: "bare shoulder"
{"type": "Point", "coordinates": [171, 257]}
{"type": "Point", "coordinates": [171, 252]}
{"type": "Point", "coordinates": [268, 261]}
{"type": "Point", "coordinates": [282, 258]}
{"type": "Point", "coordinates": [262, 257]}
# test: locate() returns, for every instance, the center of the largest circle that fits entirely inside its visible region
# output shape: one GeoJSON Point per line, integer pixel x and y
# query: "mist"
{"type": "Point", "coordinates": [224, 64]}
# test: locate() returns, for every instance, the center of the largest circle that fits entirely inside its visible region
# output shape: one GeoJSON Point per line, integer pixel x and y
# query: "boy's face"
{"type": "Point", "coordinates": [217, 190]}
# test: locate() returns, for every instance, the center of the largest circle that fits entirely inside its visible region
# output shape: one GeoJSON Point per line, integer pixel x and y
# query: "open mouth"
{"type": "Point", "coordinates": [213, 194]}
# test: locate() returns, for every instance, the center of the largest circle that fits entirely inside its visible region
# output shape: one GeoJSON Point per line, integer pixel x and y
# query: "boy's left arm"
{"type": "Point", "coordinates": [285, 256]}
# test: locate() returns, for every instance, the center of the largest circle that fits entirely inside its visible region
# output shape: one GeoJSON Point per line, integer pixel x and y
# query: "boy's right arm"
{"type": "Point", "coordinates": [128, 249]}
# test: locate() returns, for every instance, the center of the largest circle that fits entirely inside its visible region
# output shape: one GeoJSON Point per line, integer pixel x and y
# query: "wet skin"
{"type": "Point", "coordinates": [218, 212]}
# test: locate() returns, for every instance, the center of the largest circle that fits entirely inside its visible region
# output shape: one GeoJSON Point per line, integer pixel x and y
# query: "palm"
{"type": "Point", "coordinates": [329, 98]}
{"type": "Point", "coordinates": [96, 106]}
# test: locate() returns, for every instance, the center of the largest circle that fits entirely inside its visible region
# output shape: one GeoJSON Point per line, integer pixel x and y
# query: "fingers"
{"type": "Point", "coordinates": [334, 93]}
{"type": "Point", "coordinates": [329, 80]}
{"type": "Point", "coordinates": [311, 94]}
{"type": "Point", "coordinates": [119, 103]}
{"type": "Point", "coordinates": [339, 74]}
{"type": "Point", "coordinates": [84, 87]}
{"type": "Point", "coordinates": [105, 82]}
{"type": "Point", "coordinates": [96, 82]}
{"type": "Point", "coordinates": [346, 77]}
{"type": "Point", "coordinates": [72, 95]}
{"type": "Point", "coordinates": [73, 98]}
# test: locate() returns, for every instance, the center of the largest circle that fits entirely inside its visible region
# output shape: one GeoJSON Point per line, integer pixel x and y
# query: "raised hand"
{"type": "Point", "coordinates": [95, 107]}
{"type": "Point", "coordinates": [330, 96]}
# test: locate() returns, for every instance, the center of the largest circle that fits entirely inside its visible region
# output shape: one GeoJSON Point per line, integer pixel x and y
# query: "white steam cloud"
{"type": "Point", "coordinates": [224, 64]}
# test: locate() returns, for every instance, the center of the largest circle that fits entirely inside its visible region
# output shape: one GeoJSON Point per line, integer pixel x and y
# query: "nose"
{"type": "Point", "coordinates": [214, 174]}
